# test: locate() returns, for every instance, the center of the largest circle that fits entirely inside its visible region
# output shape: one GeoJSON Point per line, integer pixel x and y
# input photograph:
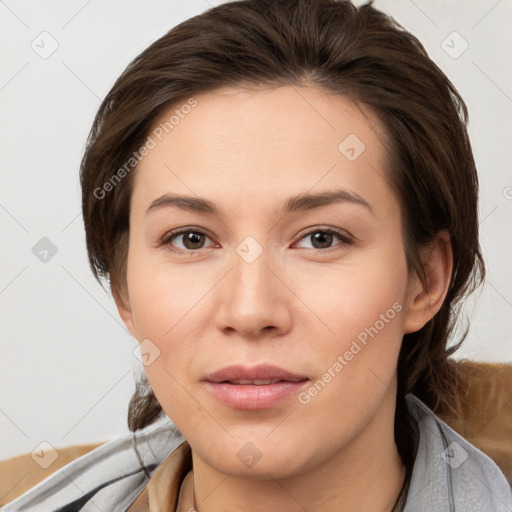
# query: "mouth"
{"type": "Point", "coordinates": [252, 388]}
{"type": "Point", "coordinates": [255, 382]}
{"type": "Point", "coordinates": [260, 374]}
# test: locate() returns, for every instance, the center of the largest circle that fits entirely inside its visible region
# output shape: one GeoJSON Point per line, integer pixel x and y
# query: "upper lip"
{"type": "Point", "coordinates": [261, 371]}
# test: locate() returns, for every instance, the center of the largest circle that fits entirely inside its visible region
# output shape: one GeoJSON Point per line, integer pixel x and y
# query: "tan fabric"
{"type": "Point", "coordinates": [161, 493]}
{"type": "Point", "coordinates": [485, 421]}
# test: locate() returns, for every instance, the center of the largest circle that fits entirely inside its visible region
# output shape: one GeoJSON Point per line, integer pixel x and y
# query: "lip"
{"type": "Point", "coordinates": [251, 396]}
{"type": "Point", "coordinates": [260, 371]}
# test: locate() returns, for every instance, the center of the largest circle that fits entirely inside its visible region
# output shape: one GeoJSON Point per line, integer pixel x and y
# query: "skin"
{"type": "Point", "coordinates": [297, 305]}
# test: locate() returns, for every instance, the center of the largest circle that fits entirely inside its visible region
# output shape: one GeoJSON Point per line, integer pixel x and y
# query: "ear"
{"type": "Point", "coordinates": [123, 307]}
{"type": "Point", "coordinates": [424, 300]}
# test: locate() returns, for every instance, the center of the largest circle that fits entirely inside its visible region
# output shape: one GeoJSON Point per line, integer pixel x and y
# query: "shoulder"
{"type": "Point", "coordinates": [449, 472]}
{"type": "Point", "coordinates": [111, 476]}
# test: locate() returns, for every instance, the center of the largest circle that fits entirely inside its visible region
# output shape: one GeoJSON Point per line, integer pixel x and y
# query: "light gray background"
{"type": "Point", "coordinates": [67, 363]}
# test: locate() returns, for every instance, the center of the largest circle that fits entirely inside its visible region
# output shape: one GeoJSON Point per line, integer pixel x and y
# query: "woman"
{"type": "Point", "coordinates": [283, 198]}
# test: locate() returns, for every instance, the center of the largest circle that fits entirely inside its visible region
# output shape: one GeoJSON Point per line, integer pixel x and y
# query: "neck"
{"type": "Point", "coordinates": [365, 474]}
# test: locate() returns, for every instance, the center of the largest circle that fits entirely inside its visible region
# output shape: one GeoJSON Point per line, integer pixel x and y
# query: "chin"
{"type": "Point", "coordinates": [257, 461]}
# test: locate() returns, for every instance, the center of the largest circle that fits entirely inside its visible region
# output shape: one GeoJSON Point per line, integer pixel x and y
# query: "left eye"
{"type": "Point", "coordinates": [323, 238]}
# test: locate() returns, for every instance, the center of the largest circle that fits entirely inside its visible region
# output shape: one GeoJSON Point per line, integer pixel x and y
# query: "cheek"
{"type": "Point", "coordinates": [347, 298]}
{"type": "Point", "coordinates": [166, 306]}
{"type": "Point", "coordinates": [161, 296]}
{"type": "Point", "coordinates": [360, 309]}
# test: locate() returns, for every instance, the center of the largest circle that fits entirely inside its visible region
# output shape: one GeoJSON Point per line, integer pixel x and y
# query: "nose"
{"type": "Point", "coordinates": [253, 299]}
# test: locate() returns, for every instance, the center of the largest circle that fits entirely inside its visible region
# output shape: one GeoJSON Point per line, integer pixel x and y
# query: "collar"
{"type": "Point", "coordinates": [163, 489]}
{"type": "Point", "coordinates": [449, 473]}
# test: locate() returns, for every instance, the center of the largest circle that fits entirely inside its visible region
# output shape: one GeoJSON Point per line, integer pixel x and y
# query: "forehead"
{"type": "Point", "coordinates": [311, 115]}
{"type": "Point", "coordinates": [260, 143]}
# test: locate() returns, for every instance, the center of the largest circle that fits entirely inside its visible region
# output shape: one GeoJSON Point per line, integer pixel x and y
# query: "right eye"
{"type": "Point", "coordinates": [192, 240]}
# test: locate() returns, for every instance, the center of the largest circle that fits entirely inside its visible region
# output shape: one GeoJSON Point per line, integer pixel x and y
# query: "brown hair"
{"type": "Point", "coordinates": [357, 52]}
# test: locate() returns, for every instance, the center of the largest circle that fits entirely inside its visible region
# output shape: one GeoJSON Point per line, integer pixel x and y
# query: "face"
{"type": "Point", "coordinates": [317, 287]}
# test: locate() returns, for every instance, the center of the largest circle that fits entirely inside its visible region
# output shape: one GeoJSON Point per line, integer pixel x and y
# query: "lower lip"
{"type": "Point", "coordinates": [252, 397]}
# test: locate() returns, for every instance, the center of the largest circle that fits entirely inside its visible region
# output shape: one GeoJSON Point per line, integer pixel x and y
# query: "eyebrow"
{"type": "Point", "coordinates": [298, 203]}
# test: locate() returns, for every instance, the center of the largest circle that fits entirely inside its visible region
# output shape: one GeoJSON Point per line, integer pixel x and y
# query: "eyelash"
{"type": "Point", "coordinates": [168, 237]}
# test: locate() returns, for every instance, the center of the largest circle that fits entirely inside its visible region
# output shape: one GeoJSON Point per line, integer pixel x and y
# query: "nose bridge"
{"type": "Point", "coordinates": [251, 275]}
{"type": "Point", "coordinates": [253, 297]}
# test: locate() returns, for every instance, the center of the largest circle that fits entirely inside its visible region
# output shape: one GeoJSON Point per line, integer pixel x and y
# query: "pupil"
{"type": "Point", "coordinates": [323, 238]}
{"type": "Point", "coordinates": [193, 239]}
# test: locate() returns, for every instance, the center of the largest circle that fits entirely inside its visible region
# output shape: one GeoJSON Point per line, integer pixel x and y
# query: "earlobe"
{"type": "Point", "coordinates": [426, 299]}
